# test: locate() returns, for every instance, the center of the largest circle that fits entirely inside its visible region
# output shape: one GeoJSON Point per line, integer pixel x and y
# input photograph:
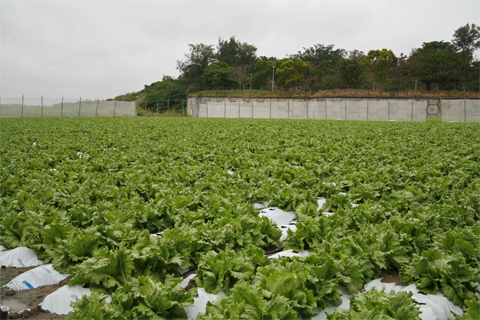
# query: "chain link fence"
{"type": "Point", "coordinates": [42, 107]}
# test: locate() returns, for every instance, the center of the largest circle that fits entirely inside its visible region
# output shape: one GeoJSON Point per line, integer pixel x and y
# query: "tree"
{"type": "Point", "coordinates": [217, 75]}
{"type": "Point", "coordinates": [381, 64]}
{"type": "Point", "coordinates": [467, 39]}
{"type": "Point", "coordinates": [291, 72]}
{"type": "Point", "coordinates": [356, 54]}
{"type": "Point", "coordinates": [437, 64]}
{"type": "Point", "coordinates": [169, 88]}
{"type": "Point", "coordinates": [402, 73]}
{"type": "Point", "coordinates": [236, 53]}
{"type": "Point", "coordinates": [241, 74]}
{"type": "Point", "coordinates": [350, 72]}
{"type": "Point", "coordinates": [318, 53]}
{"type": "Point", "coordinates": [327, 73]}
{"type": "Point", "coordinates": [199, 57]}
{"type": "Point", "coordinates": [263, 71]}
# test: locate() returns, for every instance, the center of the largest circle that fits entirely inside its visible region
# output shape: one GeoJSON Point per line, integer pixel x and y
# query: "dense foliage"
{"type": "Point", "coordinates": [86, 193]}
{"type": "Point", "coordinates": [436, 65]}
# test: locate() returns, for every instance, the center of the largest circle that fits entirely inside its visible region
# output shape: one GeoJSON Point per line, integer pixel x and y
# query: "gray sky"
{"type": "Point", "coordinates": [101, 49]}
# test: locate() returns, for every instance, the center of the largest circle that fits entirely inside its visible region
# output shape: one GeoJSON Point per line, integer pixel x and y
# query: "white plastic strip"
{"type": "Point", "coordinates": [19, 257]}
{"type": "Point", "coordinates": [40, 276]}
{"type": "Point", "coordinates": [59, 301]}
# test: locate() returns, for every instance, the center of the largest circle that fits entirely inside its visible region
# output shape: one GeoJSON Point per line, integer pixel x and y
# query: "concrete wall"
{"type": "Point", "coordinates": [320, 108]}
{"type": "Point", "coordinates": [464, 110]}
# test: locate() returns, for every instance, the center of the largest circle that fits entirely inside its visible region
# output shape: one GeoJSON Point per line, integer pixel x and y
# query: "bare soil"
{"type": "Point", "coordinates": [390, 276]}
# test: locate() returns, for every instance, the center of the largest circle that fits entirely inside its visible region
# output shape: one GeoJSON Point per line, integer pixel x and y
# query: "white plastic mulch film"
{"type": "Point", "coordinates": [413, 110]}
{"type": "Point", "coordinates": [37, 277]}
{"type": "Point", "coordinates": [433, 306]}
{"type": "Point", "coordinates": [465, 110]}
{"type": "Point", "coordinates": [19, 257]}
{"type": "Point", "coordinates": [59, 301]}
{"type": "Point", "coordinates": [44, 107]}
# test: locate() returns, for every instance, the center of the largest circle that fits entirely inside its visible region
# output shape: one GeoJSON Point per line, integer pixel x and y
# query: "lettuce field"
{"type": "Point", "coordinates": [129, 205]}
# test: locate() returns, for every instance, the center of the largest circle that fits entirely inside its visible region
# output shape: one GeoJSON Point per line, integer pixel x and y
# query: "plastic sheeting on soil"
{"type": "Point", "coordinates": [19, 257]}
{"type": "Point", "coordinates": [290, 253]}
{"type": "Point", "coordinates": [433, 307]}
{"type": "Point", "coordinates": [200, 302]}
{"type": "Point", "coordinates": [260, 205]}
{"type": "Point", "coordinates": [283, 219]}
{"type": "Point", "coordinates": [40, 276]}
{"type": "Point", "coordinates": [187, 280]}
{"type": "Point", "coordinates": [59, 301]}
{"type": "Point", "coordinates": [321, 315]}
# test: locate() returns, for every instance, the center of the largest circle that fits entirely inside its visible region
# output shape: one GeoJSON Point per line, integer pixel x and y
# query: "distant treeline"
{"type": "Point", "coordinates": [232, 64]}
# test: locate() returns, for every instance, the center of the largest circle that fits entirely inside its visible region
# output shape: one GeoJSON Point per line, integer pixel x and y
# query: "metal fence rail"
{"type": "Point", "coordinates": [42, 107]}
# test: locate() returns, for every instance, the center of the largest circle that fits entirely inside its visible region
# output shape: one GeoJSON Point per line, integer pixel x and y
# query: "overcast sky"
{"type": "Point", "coordinates": [101, 49]}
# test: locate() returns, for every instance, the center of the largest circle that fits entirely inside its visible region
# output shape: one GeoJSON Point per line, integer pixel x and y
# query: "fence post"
{"type": "Point", "coordinates": [388, 109]}
{"type": "Point", "coordinates": [42, 104]}
{"type": "Point", "coordinates": [96, 110]}
{"type": "Point", "coordinates": [412, 109]}
{"type": "Point", "coordinates": [326, 113]}
{"type": "Point", "coordinates": [114, 106]}
{"type": "Point", "coordinates": [288, 109]}
{"type": "Point", "coordinates": [22, 105]}
{"type": "Point", "coordinates": [61, 109]}
{"type": "Point", "coordinates": [79, 106]}
{"type": "Point", "coordinates": [307, 109]}
{"type": "Point", "coordinates": [367, 109]}
{"type": "Point", "coordinates": [440, 108]}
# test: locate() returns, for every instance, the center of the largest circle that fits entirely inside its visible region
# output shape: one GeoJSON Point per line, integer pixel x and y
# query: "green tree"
{"type": "Point", "coordinates": [402, 73]}
{"type": "Point", "coordinates": [381, 64]}
{"type": "Point", "coordinates": [217, 75]}
{"type": "Point", "coordinates": [241, 56]}
{"type": "Point", "coordinates": [327, 73]}
{"type": "Point", "coordinates": [467, 39]}
{"type": "Point", "coordinates": [318, 53]}
{"type": "Point", "coordinates": [169, 89]}
{"type": "Point", "coordinates": [236, 53]}
{"type": "Point", "coordinates": [438, 65]}
{"type": "Point", "coordinates": [350, 72]}
{"type": "Point", "coordinates": [291, 72]}
{"type": "Point", "coordinates": [263, 71]}
{"type": "Point", "coordinates": [199, 57]}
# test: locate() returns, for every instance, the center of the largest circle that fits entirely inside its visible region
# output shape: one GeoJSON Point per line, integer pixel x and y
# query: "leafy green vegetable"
{"type": "Point", "coordinates": [379, 305]}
